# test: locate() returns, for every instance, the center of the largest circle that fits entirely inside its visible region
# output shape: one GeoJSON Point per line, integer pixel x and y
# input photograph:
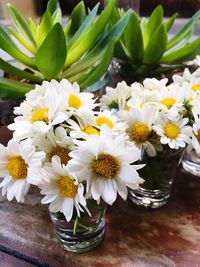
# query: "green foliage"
{"type": "Point", "coordinates": [81, 50]}
{"type": "Point", "coordinates": [147, 47]}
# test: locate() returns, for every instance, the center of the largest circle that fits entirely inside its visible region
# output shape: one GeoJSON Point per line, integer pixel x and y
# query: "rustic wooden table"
{"type": "Point", "coordinates": [169, 236]}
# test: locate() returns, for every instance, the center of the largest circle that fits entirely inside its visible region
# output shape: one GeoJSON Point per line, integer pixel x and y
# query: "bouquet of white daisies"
{"type": "Point", "coordinates": [162, 119]}
{"type": "Point", "coordinates": [67, 148]}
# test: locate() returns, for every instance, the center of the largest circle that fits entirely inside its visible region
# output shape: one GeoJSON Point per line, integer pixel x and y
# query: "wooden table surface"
{"type": "Point", "coordinates": [169, 236]}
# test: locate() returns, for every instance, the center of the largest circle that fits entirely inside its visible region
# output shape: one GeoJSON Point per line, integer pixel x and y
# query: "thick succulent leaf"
{"type": "Point", "coordinates": [7, 67]}
{"type": "Point", "coordinates": [67, 27]}
{"type": "Point", "coordinates": [33, 27]}
{"type": "Point", "coordinates": [44, 27]}
{"type": "Point", "coordinates": [57, 16]}
{"type": "Point", "coordinates": [13, 89]}
{"type": "Point", "coordinates": [134, 39]}
{"type": "Point", "coordinates": [186, 52]}
{"type": "Point", "coordinates": [52, 6]}
{"type": "Point", "coordinates": [185, 31]}
{"type": "Point", "coordinates": [90, 37]}
{"type": "Point", "coordinates": [97, 72]}
{"type": "Point", "coordinates": [22, 40]}
{"type": "Point", "coordinates": [51, 55]}
{"type": "Point", "coordinates": [170, 22]}
{"type": "Point", "coordinates": [83, 29]}
{"type": "Point", "coordinates": [119, 52]}
{"type": "Point", "coordinates": [98, 51]}
{"type": "Point", "coordinates": [156, 47]}
{"type": "Point", "coordinates": [77, 17]}
{"type": "Point", "coordinates": [21, 25]}
{"type": "Point", "coordinates": [152, 25]}
{"type": "Point", "coordinates": [9, 46]}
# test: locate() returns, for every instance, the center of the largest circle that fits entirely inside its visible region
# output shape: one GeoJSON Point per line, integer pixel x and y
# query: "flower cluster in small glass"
{"type": "Point", "coordinates": [159, 114]}
{"type": "Point", "coordinates": [63, 144]}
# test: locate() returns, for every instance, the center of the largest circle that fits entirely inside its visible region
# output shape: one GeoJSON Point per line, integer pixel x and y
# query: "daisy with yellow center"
{"type": "Point", "coordinates": [18, 162]}
{"type": "Point", "coordinates": [106, 162]}
{"type": "Point", "coordinates": [40, 111]}
{"type": "Point", "coordinates": [140, 121]}
{"type": "Point", "coordinates": [107, 117]}
{"type": "Point", "coordinates": [196, 137]}
{"type": "Point", "coordinates": [62, 189]}
{"type": "Point", "coordinates": [173, 133]}
{"type": "Point", "coordinates": [56, 143]}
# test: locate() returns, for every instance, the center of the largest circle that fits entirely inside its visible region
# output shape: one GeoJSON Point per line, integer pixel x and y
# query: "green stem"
{"type": "Point", "coordinates": [75, 225]}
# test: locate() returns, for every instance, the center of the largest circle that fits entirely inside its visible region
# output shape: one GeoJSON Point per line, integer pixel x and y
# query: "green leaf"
{"type": "Point", "coordinates": [67, 27]}
{"type": "Point", "coordinates": [77, 17]}
{"type": "Point", "coordinates": [170, 22]}
{"type": "Point", "coordinates": [185, 31]}
{"type": "Point", "coordinates": [156, 47]}
{"type": "Point", "coordinates": [85, 26]}
{"type": "Point", "coordinates": [23, 41]}
{"type": "Point", "coordinates": [52, 6]}
{"type": "Point", "coordinates": [13, 89]}
{"type": "Point", "coordinates": [7, 67]}
{"type": "Point", "coordinates": [44, 27]}
{"type": "Point", "coordinates": [97, 72]}
{"type": "Point", "coordinates": [91, 36]}
{"type": "Point", "coordinates": [152, 24]}
{"type": "Point", "coordinates": [134, 39]}
{"type": "Point", "coordinates": [57, 16]}
{"type": "Point", "coordinates": [21, 25]}
{"type": "Point", "coordinates": [186, 52]}
{"type": "Point", "coordinates": [9, 46]}
{"type": "Point", "coordinates": [33, 27]}
{"type": "Point", "coordinates": [51, 55]}
{"type": "Point", "coordinates": [98, 51]}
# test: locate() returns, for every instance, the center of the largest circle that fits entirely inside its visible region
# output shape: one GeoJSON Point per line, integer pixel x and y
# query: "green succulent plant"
{"type": "Point", "coordinates": [80, 51]}
{"type": "Point", "coordinates": [147, 47]}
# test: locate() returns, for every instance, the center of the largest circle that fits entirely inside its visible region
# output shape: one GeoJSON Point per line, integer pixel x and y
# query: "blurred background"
{"type": "Point", "coordinates": [34, 8]}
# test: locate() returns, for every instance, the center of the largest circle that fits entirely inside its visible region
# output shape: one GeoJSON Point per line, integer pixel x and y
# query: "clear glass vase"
{"type": "Point", "coordinates": [191, 162]}
{"type": "Point", "coordinates": [81, 234]}
{"type": "Point", "coordinates": [158, 173]}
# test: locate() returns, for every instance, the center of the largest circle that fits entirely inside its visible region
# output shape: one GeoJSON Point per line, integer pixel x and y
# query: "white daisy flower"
{"type": "Point", "coordinates": [80, 129]}
{"type": "Point", "coordinates": [62, 189]}
{"type": "Point", "coordinates": [152, 84]}
{"type": "Point", "coordinates": [56, 143]}
{"type": "Point", "coordinates": [139, 129]}
{"type": "Point", "coordinates": [116, 98]}
{"type": "Point", "coordinates": [173, 133]}
{"type": "Point", "coordinates": [77, 103]}
{"type": "Point", "coordinates": [196, 137]}
{"type": "Point", "coordinates": [105, 163]}
{"type": "Point", "coordinates": [18, 161]}
{"type": "Point", "coordinates": [106, 117]}
{"type": "Point", "coordinates": [38, 117]}
{"type": "Point", "coordinates": [185, 77]}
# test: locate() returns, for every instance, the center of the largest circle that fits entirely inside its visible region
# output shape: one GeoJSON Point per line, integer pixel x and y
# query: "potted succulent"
{"type": "Point", "coordinates": [83, 52]}
{"type": "Point", "coordinates": [146, 48]}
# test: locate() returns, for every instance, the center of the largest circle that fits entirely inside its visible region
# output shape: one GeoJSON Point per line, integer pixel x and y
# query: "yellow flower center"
{"type": "Point", "coordinates": [40, 115]}
{"type": "Point", "coordinates": [139, 132]}
{"type": "Point", "coordinates": [198, 135]}
{"type": "Point", "coordinates": [103, 120]}
{"type": "Point", "coordinates": [17, 167]}
{"type": "Point", "coordinates": [61, 152]}
{"type": "Point", "coordinates": [90, 130]}
{"type": "Point", "coordinates": [106, 166]}
{"type": "Point", "coordinates": [74, 101]}
{"type": "Point", "coordinates": [196, 87]}
{"type": "Point", "coordinates": [171, 130]}
{"type": "Point", "coordinates": [168, 102]}
{"type": "Point", "coordinates": [67, 187]}
{"type": "Point", "coordinates": [127, 108]}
